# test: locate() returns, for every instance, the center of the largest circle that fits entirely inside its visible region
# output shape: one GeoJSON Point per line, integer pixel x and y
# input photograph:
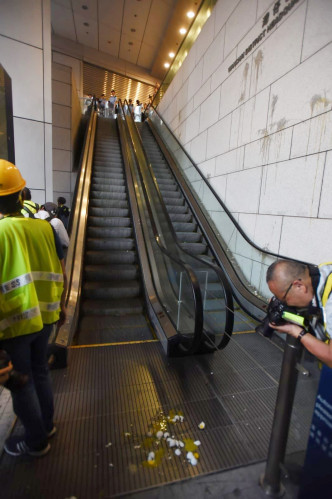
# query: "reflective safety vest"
{"type": "Point", "coordinates": [324, 293]}
{"type": "Point", "coordinates": [31, 278]}
{"type": "Point", "coordinates": [29, 208]}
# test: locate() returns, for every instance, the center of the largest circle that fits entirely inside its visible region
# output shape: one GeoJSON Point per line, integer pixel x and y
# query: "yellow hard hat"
{"type": "Point", "coordinates": [11, 180]}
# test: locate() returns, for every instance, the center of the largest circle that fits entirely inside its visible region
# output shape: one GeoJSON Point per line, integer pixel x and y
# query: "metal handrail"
{"type": "Point", "coordinates": [74, 260]}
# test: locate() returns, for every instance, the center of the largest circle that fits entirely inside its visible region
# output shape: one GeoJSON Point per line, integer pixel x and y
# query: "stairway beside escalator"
{"type": "Point", "coordinates": [112, 306]}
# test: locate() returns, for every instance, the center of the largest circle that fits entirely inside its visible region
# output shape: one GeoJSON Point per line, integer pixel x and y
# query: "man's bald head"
{"type": "Point", "coordinates": [285, 271]}
{"type": "Point", "coordinates": [291, 280]}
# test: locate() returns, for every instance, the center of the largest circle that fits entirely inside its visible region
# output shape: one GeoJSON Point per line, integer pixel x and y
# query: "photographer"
{"type": "Point", "coordinates": [308, 290]}
{"type": "Point", "coordinates": [32, 292]}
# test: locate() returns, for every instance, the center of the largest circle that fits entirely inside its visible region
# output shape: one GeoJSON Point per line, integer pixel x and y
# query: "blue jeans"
{"type": "Point", "coordinates": [33, 404]}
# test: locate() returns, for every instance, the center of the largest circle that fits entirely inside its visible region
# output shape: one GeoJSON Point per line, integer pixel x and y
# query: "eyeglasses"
{"type": "Point", "coordinates": [287, 291]}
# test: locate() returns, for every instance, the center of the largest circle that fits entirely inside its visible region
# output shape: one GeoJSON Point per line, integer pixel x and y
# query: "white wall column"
{"type": "Point", "coordinates": [25, 53]}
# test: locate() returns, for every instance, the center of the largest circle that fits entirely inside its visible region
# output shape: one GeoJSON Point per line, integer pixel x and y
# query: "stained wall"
{"type": "Point", "coordinates": [252, 106]}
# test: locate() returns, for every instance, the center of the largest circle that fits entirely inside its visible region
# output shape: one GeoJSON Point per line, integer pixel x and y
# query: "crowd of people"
{"type": "Point", "coordinates": [109, 107]}
{"type": "Point", "coordinates": [56, 214]}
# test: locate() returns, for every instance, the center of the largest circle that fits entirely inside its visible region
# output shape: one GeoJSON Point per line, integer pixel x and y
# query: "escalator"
{"type": "Point", "coordinates": [112, 307]}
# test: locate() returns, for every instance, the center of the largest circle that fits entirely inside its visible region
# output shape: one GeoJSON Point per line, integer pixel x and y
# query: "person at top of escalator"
{"type": "Point", "coordinates": [112, 103]}
{"type": "Point", "coordinates": [138, 111]}
{"type": "Point", "coordinates": [32, 284]}
{"type": "Point", "coordinates": [295, 285]}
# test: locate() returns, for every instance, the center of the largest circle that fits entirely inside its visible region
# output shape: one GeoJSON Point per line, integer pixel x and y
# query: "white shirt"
{"type": "Point", "coordinates": [57, 226]}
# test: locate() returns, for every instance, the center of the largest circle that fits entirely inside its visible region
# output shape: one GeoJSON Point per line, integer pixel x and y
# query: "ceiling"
{"type": "Point", "coordinates": [142, 32]}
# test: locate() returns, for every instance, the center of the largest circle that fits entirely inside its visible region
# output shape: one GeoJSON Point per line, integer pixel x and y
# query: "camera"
{"type": "Point", "coordinates": [16, 380]}
{"type": "Point", "coordinates": [279, 314]}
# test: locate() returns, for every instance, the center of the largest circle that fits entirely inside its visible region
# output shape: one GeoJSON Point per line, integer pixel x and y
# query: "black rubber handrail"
{"type": "Point", "coordinates": [218, 271]}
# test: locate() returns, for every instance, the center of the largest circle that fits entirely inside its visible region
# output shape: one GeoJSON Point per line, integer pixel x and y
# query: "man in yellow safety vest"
{"type": "Point", "coordinates": [32, 290]}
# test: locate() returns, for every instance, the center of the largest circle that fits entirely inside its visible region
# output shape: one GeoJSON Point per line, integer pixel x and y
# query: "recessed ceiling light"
{"type": "Point", "coordinates": [171, 54]}
{"type": "Point", "coordinates": [183, 31]}
{"type": "Point", "coordinates": [190, 14]}
{"type": "Point", "coordinates": [167, 65]}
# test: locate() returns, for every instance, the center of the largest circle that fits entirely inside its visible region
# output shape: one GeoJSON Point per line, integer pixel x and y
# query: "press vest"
{"type": "Point", "coordinates": [31, 279]}
{"type": "Point", "coordinates": [324, 295]}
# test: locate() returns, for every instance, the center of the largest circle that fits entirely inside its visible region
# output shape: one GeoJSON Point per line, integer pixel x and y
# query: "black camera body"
{"type": "Point", "coordinates": [16, 380]}
{"type": "Point", "coordinates": [278, 313]}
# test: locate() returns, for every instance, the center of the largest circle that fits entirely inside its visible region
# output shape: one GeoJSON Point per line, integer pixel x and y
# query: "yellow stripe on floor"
{"type": "Point", "coordinates": [113, 344]}
{"type": "Point", "coordinates": [245, 332]}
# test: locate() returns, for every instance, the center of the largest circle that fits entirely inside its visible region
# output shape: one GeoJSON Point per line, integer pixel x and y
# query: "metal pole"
{"type": "Point", "coordinates": [270, 481]}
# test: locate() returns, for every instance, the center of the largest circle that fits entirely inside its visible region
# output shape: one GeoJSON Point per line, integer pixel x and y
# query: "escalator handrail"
{"type": "Point", "coordinates": [229, 214]}
{"type": "Point", "coordinates": [219, 272]}
{"type": "Point", "coordinates": [74, 260]}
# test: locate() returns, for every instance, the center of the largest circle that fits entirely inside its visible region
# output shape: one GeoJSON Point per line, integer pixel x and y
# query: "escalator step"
{"type": "Point", "coordinates": [111, 186]}
{"type": "Point", "coordinates": [110, 272]}
{"type": "Point", "coordinates": [112, 307]}
{"type": "Point", "coordinates": [167, 193]}
{"type": "Point", "coordinates": [109, 221]}
{"type": "Point", "coordinates": [195, 248]}
{"type": "Point", "coordinates": [109, 231]}
{"type": "Point", "coordinates": [110, 212]}
{"type": "Point", "coordinates": [111, 243]}
{"type": "Point", "coordinates": [177, 209]}
{"type": "Point", "coordinates": [180, 217]}
{"type": "Point", "coordinates": [166, 181]}
{"type": "Point", "coordinates": [111, 289]}
{"type": "Point", "coordinates": [107, 257]}
{"type": "Point", "coordinates": [115, 177]}
{"type": "Point", "coordinates": [107, 203]}
{"type": "Point", "coordinates": [184, 227]}
{"type": "Point", "coordinates": [189, 237]}
{"type": "Point", "coordinates": [173, 201]}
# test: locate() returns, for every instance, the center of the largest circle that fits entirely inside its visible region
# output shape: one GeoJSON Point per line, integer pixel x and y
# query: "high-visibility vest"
{"type": "Point", "coordinates": [324, 291]}
{"type": "Point", "coordinates": [31, 278]}
{"type": "Point", "coordinates": [29, 208]}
